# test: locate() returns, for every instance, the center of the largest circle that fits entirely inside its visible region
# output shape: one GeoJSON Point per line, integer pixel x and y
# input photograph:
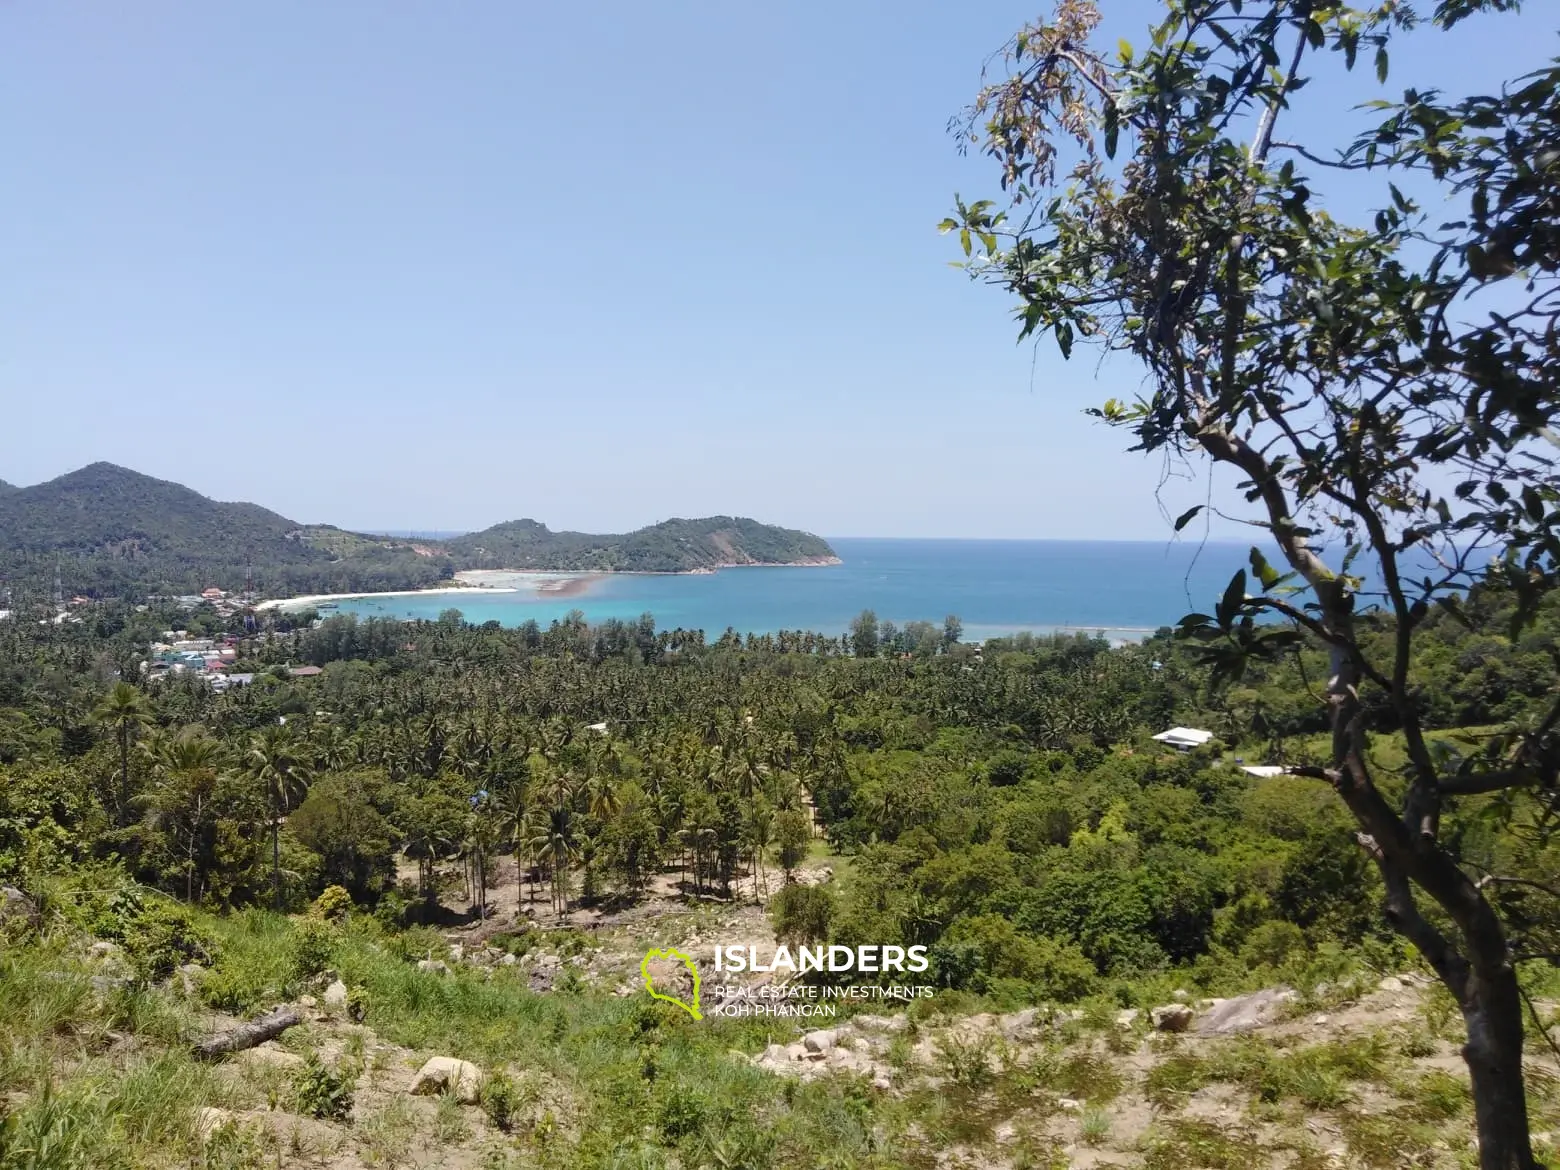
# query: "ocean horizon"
{"type": "Point", "coordinates": [995, 587]}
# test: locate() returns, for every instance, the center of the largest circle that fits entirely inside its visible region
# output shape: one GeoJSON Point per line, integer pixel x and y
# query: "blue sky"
{"type": "Point", "coordinates": [415, 265]}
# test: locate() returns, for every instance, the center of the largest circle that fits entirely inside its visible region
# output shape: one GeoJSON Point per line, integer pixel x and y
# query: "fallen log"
{"type": "Point", "coordinates": [267, 1027]}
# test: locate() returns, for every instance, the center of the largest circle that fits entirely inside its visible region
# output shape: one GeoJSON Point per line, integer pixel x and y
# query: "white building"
{"type": "Point", "coordinates": [1184, 738]}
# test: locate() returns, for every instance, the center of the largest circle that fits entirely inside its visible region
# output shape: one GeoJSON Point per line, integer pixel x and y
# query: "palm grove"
{"type": "Point", "coordinates": [1385, 390]}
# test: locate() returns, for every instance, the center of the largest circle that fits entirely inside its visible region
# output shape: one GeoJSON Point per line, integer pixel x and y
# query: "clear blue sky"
{"type": "Point", "coordinates": [422, 265]}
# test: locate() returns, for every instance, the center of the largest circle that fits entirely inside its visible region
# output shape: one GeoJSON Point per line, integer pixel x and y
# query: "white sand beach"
{"type": "Point", "coordinates": [471, 581]}
{"type": "Point", "coordinates": [314, 599]}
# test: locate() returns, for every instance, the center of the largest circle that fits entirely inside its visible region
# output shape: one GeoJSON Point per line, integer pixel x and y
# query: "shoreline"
{"type": "Point", "coordinates": [311, 599]}
{"type": "Point", "coordinates": [542, 582]}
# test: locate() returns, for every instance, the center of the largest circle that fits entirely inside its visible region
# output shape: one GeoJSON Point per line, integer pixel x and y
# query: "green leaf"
{"type": "Point", "coordinates": [1185, 517]}
{"type": "Point", "coordinates": [1234, 596]}
{"type": "Point", "coordinates": [1263, 571]}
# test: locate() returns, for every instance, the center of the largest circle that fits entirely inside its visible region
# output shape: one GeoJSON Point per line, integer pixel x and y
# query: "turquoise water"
{"type": "Point", "coordinates": [994, 586]}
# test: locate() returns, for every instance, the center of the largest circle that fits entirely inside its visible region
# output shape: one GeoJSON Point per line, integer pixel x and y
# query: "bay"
{"type": "Point", "coordinates": [1121, 588]}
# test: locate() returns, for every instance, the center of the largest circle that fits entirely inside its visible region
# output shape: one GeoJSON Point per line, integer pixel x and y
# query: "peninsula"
{"type": "Point", "coordinates": [113, 531]}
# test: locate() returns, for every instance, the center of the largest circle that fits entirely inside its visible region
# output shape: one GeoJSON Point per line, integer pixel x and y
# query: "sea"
{"type": "Point", "coordinates": [1121, 589]}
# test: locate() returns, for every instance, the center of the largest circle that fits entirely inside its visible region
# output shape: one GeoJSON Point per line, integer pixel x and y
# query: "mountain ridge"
{"type": "Point", "coordinates": [113, 529]}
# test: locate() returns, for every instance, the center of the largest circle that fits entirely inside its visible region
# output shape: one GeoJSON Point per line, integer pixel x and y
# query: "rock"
{"type": "Point", "coordinates": [1126, 1017]}
{"type": "Point", "coordinates": [820, 1041]}
{"type": "Point", "coordinates": [1172, 1017]}
{"type": "Point", "coordinates": [445, 1074]}
{"type": "Point", "coordinates": [17, 907]}
{"type": "Point", "coordinates": [209, 1120]}
{"type": "Point", "coordinates": [882, 1081]}
{"type": "Point", "coordinates": [1319, 1021]}
{"type": "Point", "coordinates": [1391, 983]}
{"type": "Point", "coordinates": [508, 960]}
{"type": "Point", "coordinates": [1016, 1023]}
{"type": "Point", "coordinates": [308, 1001]}
{"type": "Point", "coordinates": [1067, 1104]}
{"type": "Point", "coordinates": [1181, 995]}
{"type": "Point", "coordinates": [433, 966]}
{"type": "Point", "coordinates": [457, 952]}
{"type": "Point", "coordinates": [189, 977]}
{"type": "Point", "coordinates": [335, 998]}
{"type": "Point", "coordinates": [104, 951]}
{"type": "Point", "coordinates": [1245, 1012]}
{"type": "Point", "coordinates": [272, 1056]}
{"type": "Point", "coordinates": [796, 1052]}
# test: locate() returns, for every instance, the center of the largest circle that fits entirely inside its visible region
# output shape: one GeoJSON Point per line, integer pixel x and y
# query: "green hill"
{"type": "Point", "coordinates": [671, 546]}
{"type": "Point", "coordinates": [111, 530]}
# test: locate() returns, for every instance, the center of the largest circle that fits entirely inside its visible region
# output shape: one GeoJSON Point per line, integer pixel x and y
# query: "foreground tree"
{"type": "Point", "coordinates": [278, 765]}
{"type": "Point", "coordinates": [1158, 210]}
{"type": "Point", "coordinates": [125, 712]}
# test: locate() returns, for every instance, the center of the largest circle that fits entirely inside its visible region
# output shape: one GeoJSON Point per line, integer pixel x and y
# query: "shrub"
{"type": "Point", "coordinates": [1272, 944]}
{"type": "Point", "coordinates": [500, 1099]}
{"type": "Point", "coordinates": [324, 1092]}
{"type": "Point", "coordinates": [802, 914]}
{"type": "Point", "coordinates": [161, 936]}
{"type": "Point", "coordinates": [333, 904]}
{"type": "Point", "coordinates": [681, 1112]}
{"type": "Point", "coordinates": [313, 944]}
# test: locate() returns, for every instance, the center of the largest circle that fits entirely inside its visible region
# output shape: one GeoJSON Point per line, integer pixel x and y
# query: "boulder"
{"type": "Point", "coordinates": [1391, 983]}
{"type": "Point", "coordinates": [335, 997]}
{"type": "Point", "coordinates": [445, 1074]}
{"type": "Point", "coordinates": [272, 1056]}
{"type": "Point", "coordinates": [1126, 1017]}
{"type": "Point", "coordinates": [1172, 1017]}
{"type": "Point", "coordinates": [820, 1041]}
{"type": "Point", "coordinates": [1245, 1012]}
{"type": "Point", "coordinates": [16, 906]}
{"type": "Point", "coordinates": [433, 966]}
{"type": "Point", "coordinates": [508, 960]}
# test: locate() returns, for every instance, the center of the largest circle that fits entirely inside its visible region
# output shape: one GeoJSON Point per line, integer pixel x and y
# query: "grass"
{"type": "Point", "coordinates": [99, 1077]}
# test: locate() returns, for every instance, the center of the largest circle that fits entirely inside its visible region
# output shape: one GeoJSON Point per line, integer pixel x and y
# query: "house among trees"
{"type": "Point", "coordinates": [1184, 739]}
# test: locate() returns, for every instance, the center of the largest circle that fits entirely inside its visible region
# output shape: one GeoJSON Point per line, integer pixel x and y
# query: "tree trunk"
{"type": "Point", "coordinates": [267, 1027]}
{"type": "Point", "coordinates": [276, 863]}
{"type": "Point", "coordinates": [1492, 1011]}
{"type": "Point", "coordinates": [124, 775]}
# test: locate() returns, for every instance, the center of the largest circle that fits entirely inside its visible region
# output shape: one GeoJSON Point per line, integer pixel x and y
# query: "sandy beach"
{"type": "Point", "coordinates": [471, 581]}
{"type": "Point", "coordinates": [314, 599]}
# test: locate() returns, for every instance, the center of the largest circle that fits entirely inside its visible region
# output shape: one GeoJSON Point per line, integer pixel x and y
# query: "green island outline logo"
{"type": "Point", "coordinates": [671, 953]}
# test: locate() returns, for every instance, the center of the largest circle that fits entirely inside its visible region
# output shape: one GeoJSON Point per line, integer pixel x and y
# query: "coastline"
{"type": "Point", "coordinates": [312, 599]}
{"type": "Point", "coordinates": [543, 582]}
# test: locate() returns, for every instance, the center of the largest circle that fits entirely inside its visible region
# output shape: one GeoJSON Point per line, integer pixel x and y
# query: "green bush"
{"type": "Point", "coordinates": [163, 936]}
{"type": "Point", "coordinates": [500, 1099]}
{"type": "Point", "coordinates": [314, 943]}
{"type": "Point", "coordinates": [323, 1092]}
{"type": "Point", "coordinates": [802, 914]}
{"type": "Point", "coordinates": [682, 1111]}
{"type": "Point", "coordinates": [1272, 944]}
{"type": "Point", "coordinates": [333, 904]}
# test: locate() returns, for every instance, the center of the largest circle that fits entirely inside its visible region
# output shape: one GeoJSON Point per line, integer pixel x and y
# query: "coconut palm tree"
{"type": "Point", "coordinates": [277, 763]}
{"type": "Point", "coordinates": [126, 711]}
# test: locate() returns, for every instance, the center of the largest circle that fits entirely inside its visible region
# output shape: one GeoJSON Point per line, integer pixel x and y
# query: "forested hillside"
{"type": "Point", "coordinates": [671, 546]}
{"type": "Point", "coordinates": [112, 531]}
{"type": "Point", "coordinates": [1007, 809]}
